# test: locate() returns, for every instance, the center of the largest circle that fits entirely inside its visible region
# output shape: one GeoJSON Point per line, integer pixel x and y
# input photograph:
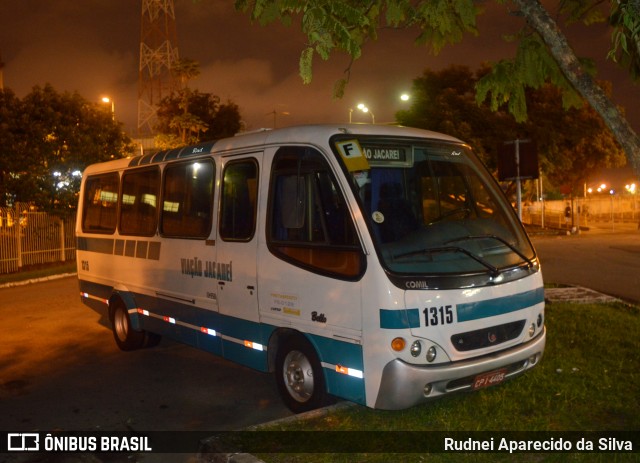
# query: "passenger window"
{"type": "Point", "coordinates": [309, 222]}
{"type": "Point", "coordinates": [139, 202]}
{"type": "Point", "coordinates": [100, 204]}
{"type": "Point", "coordinates": [187, 199]}
{"type": "Point", "coordinates": [239, 200]}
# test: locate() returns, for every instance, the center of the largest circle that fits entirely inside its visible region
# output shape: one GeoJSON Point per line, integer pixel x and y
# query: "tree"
{"type": "Point", "coordinates": [544, 57]}
{"type": "Point", "coordinates": [187, 116]}
{"type": "Point", "coordinates": [445, 101]}
{"type": "Point", "coordinates": [48, 138]}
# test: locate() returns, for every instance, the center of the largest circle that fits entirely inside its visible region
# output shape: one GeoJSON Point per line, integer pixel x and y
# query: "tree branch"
{"type": "Point", "coordinates": [538, 18]}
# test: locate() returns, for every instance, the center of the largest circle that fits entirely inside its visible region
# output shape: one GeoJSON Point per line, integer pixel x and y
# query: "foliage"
{"type": "Point", "coordinates": [346, 26]}
{"type": "Point", "coordinates": [625, 18]}
{"type": "Point", "coordinates": [574, 143]}
{"type": "Point", "coordinates": [444, 101]}
{"type": "Point", "coordinates": [532, 67]}
{"type": "Point", "coordinates": [543, 54]}
{"type": "Point", "coordinates": [188, 116]}
{"type": "Point", "coordinates": [46, 141]}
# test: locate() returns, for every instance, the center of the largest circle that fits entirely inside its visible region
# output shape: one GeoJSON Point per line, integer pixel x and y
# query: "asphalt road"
{"type": "Point", "coordinates": [606, 261]}
{"type": "Point", "coordinates": [60, 369]}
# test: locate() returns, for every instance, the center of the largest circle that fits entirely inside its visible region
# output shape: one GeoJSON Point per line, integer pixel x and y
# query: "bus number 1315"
{"type": "Point", "coordinates": [434, 316]}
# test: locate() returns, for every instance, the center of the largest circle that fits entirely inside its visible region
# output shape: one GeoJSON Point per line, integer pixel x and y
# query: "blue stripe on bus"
{"type": "Point", "coordinates": [203, 322]}
{"type": "Point", "coordinates": [498, 306]}
{"type": "Point", "coordinates": [399, 319]}
{"type": "Point", "coordinates": [142, 249]}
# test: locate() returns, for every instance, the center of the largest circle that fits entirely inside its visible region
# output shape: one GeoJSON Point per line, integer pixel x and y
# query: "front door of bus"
{"type": "Point", "coordinates": [236, 259]}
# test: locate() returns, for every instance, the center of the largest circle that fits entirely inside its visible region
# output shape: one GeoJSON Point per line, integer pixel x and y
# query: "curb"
{"type": "Point", "coordinates": [577, 294]}
{"type": "Point", "coordinates": [37, 280]}
{"type": "Point", "coordinates": [209, 451]}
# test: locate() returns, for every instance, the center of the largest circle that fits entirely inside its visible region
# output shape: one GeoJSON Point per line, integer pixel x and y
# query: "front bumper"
{"type": "Point", "coordinates": [403, 385]}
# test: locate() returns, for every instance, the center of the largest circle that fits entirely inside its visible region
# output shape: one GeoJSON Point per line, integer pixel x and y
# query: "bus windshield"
{"type": "Point", "coordinates": [434, 210]}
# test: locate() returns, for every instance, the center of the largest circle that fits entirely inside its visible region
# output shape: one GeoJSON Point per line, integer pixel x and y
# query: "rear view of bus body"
{"type": "Point", "coordinates": [378, 264]}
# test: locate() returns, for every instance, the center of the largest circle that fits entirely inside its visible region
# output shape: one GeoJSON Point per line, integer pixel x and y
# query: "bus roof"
{"type": "Point", "coordinates": [313, 134]}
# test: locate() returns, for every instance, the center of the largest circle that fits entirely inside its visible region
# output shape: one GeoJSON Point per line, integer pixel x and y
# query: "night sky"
{"type": "Point", "coordinates": [92, 47]}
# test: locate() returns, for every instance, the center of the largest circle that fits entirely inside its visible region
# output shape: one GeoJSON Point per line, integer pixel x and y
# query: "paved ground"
{"type": "Point", "coordinates": [605, 259]}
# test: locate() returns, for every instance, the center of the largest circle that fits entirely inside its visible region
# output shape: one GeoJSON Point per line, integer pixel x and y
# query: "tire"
{"type": "Point", "coordinates": [126, 337]}
{"type": "Point", "coordinates": [299, 375]}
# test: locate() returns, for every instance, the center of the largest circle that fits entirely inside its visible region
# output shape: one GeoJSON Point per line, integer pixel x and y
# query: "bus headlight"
{"type": "Point", "coordinates": [431, 354]}
{"type": "Point", "coordinates": [416, 348]}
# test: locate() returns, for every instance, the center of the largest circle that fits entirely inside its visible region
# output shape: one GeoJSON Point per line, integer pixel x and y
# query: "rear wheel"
{"type": "Point", "coordinates": [126, 337]}
{"type": "Point", "coordinates": [299, 375]}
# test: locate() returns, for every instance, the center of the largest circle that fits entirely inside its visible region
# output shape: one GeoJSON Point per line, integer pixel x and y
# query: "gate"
{"type": "Point", "coordinates": [29, 238]}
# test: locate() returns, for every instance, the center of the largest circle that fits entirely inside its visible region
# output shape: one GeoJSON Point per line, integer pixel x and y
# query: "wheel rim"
{"type": "Point", "coordinates": [120, 324]}
{"type": "Point", "coordinates": [298, 376]}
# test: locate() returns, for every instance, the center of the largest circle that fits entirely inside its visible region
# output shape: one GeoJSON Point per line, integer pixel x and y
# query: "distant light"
{"type": "Point", "coordinates": [405, 97]}
{"type": "Point", "coordinates": [106, 99]}
{"type": "Point", "coordinates": [611, 191]}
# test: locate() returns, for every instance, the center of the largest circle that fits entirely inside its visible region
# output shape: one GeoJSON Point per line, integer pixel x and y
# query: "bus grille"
{"type": "Point", "coordinates": [487, 337]}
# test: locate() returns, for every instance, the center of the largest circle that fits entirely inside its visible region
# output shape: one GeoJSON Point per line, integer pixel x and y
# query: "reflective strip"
{"type": "Point", "coordinates": [209, 331]}
{"type": "Point", "coordinates": [344, 370]}
{"type": "Point", "coordinates": [202, 329]}
{"type": "Point", "coordinates": [253, 345]}
{"type": "Point", "coordinates": [95, 298]}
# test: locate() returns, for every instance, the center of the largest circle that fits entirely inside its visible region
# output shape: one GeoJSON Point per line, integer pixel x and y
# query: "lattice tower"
{"type": "Point", "coordinates": [158, 53]}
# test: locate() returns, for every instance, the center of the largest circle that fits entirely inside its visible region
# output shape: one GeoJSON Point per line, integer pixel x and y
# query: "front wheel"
{"type": "Point", "coordinates": [299, 375]}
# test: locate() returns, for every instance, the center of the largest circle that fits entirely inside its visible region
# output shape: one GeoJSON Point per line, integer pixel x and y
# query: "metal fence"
{"type": "Point", "coordinates": [605, 211]}
{"type": "Point", "coordinates": [30, 238]}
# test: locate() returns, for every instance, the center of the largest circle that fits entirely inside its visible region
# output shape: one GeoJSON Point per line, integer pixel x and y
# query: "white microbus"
{"type": "Point", "coordinates": [379, 264]}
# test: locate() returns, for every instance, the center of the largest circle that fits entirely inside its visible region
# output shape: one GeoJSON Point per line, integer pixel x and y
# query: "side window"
{"type": "Point", "coordinates": [139, 202]}
{"type": "Point", "coordinates": [239, 200]}
{"type": "Point", "coordinates": [187, 199]}
{"type": "Point", "coordinates": [309, 223]}
{"type": "Point", "coordinates": [100, 203]}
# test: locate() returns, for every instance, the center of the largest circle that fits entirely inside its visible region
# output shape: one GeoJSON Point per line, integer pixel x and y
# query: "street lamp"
{"type": "Point", "coordinates": [405, 97]}
{"type": "Point", "coordinates": [107, 100]}
{"type": "Point", "coordinates": [362, 107]}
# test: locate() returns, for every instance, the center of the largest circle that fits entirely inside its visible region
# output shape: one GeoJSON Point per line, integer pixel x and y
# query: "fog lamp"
{"type": "Point", "coordinates": [532, 330]}
{"type": "Point", "coordinates": [416, 348]}
{"type": "Point", "coordinates": [431, 354]}
{"type": "Point", "coordinates": [427, 389]}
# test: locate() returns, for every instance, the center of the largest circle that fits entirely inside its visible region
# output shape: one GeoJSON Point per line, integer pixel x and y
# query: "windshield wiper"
{"type": "Point", "coordinates": [497, 238]}
{"type": "Point", "coordinates": [494, 270]}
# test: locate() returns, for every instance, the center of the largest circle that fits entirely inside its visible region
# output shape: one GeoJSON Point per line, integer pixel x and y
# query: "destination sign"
{"type": "Point", "coordinates": [387, 154]}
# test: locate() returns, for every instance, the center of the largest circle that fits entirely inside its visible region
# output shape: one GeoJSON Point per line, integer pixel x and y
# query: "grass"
{"type": "Point", "coordinates": [588, 380]}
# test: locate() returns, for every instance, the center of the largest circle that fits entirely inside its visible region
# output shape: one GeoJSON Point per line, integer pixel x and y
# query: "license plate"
{"type": "Point", "coordinates": [489, 379]}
